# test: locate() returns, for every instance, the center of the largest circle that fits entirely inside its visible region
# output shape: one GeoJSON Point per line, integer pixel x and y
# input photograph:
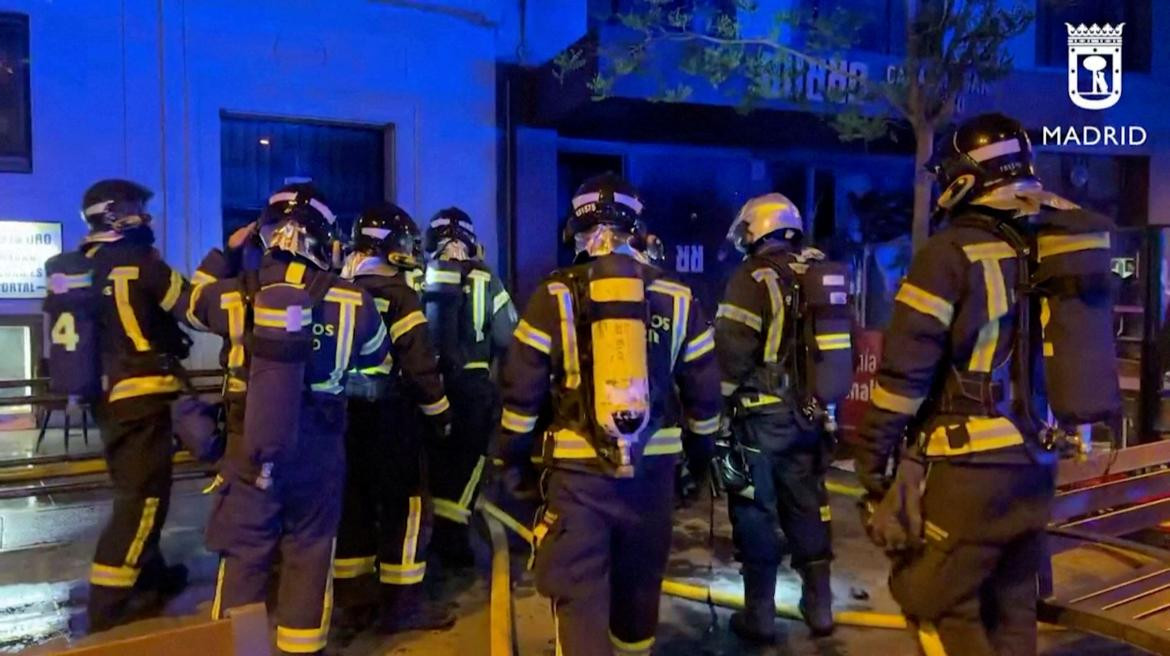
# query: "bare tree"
{"type": "Point", "coordinates": [951, 45]}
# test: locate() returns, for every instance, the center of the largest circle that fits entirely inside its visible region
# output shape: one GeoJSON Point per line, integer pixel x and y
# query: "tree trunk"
{"type": "Point", "coordinates": [923, 183]}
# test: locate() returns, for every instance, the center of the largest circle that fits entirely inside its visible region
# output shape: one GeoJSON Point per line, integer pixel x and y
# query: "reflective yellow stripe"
{"type": "Point", "coordinates": [233, 303]}
{"type": "Point", "coordinates": [704, 426]}
{"type": "Point", "coordinates": [192, 304]}
{"type": "Point", "coordinates": [414, 280]}
{"type": "Point", "coordinates": [143, 385]}
{"type": "Point", "coordinates": [374, 343]}
{"type": "Point", "coordinates": [537, 339]}
{"type": "Point", "coordinates": [1049, 245]}
{"type": "Point", "coordinates": [352, 568]}
{"type": "Point", "coordinates": [290, 319]}
{"type": "Point", "coordinates": [382, 304]}
{"type": "Point", "coordinates": [983, 355]}
{"type": "Point", "coordinates": [776, 327]}
{"type": "Point", "coordinates": [667, 441]}
{"type": "Point", "coordinates": [472, 484]}
{"type": "Point", "coordinates": [934, 531]}
{"type": "Point", "coordinates": [568, 445]}
{"type": "Point", "coordinates": [991, 250]}
{"type": "Point", "coordinates": [386, 367]}
{"type": "Point", "coordinates": [145, 525]}
{"type": "Point", "coordinates": [834, 342]}
{"type": "Point", "coordinates": [451, 511]}
{"type": "Point", "coordinates": [413, 526]}
{"type": "Point", "coordinates": [217, 601]}
{"type": "Point", "coordinates": [201, 277]}
{"type": "Point", "coordinates": [436, 408]}
{"type": "Point", "coordinates": [406, 324]}
{"type": "Point", "coordinates": [477, 365]}
{"type": "Point", "coordinates": [479, 281]}
{"type": "Point", "coordinates": [122, 276]}
{"type": "Point", "coordinates": [929, 641]}
{"type": "Point", "coordinates": [517, 422]}
{"type": "Point", "coordinates": [173, 291]}
{"type": "Point", "coordinates": [887, 400]}
{"type": "Point", "coordinates": [612, 290]}
{"type": "Point", "coordinates": [736, 313]}
{"type": "Point", "coordinates": [925, 302]}
{"type": "Point", "coordinates": [985, 434]}
{"type": "Point", "coordinates": [1045, 317]}
{"type": "Point", "coordinates": [572, 363]}
{"type": "Point", "coordinates": [391, 574]}
{"type": "Point", "coordinates": [700, 346]}
{"type": "Point", "coordinates": [631, 648]}
{"type": "Point", "coordinates": [348, 302]}
{"type": "Point", "coordinates": [441, 276]}
{"type": "Point", "coordinates": [670, 288]}
{"type": "Point", "coordinates": [112, 577]}
{"type": "Point", "coordinates": [295, 273]}
{"type": "Point", "coordinates": [826, 513]}
{"type": "Point", "coordinates": [757, 400]}
{"type": "Point", "coordinates": [500, 301]}
{"type": "Point", "coordinates": [728, 388]}
{"type": "Point", "coordinates": [236, 385]}
{"type": "Point", "coordinates": [680, 316]}
{"type": "Point", "coordinates": [308, 641]}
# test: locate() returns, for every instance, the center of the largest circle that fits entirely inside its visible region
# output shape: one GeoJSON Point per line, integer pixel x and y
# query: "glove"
{"type": "Point", "coordinates": [894, 523]}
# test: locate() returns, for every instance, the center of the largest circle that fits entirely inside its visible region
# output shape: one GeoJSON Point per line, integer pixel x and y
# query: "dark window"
{"type": "Point", "coordinates": [882, 22]}
{"type": "Point", "coordinates": [347, 163]}
{"type": "Point", "coordinates": [15, 115]}
{"type": "Point", "coordinates": [1052, 35]}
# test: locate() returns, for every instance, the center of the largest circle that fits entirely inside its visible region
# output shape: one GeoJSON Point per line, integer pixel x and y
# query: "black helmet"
{"type": "Point", "coordinates": [450, 224]}
{"type": "Point", "coordinates": [606, 199]}
{"type": "Point", "coordinates": [298, 221]}
{"type": "Point", "coordinates": [387, 231]}
{"type": "Point", "coordinates": [983, 154]}
{"type": "Point", "coordinates": [115, 206]}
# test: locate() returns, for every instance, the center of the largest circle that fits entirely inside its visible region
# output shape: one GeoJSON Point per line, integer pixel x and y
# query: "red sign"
{"type": "Point", "coordinates": [868, 345]}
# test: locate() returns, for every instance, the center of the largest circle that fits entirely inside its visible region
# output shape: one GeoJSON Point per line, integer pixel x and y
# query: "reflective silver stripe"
{"type": "Point", "coordinates": [736, 313]}
{"type": "Point", "coordinates": [537, 339]}
{"type": "Point", "coordinates": [518, 422]}
{"type": "Point", "coordinates": [923, 301]}
{"type": "Point", "coordinates": [288, 196]}
{"type": "Point", "coordinates": [479, 282]}
{"type": "Point", "coordinates": [442, 276]}
{"type": "Point", "coordinates": [700, 346]}
{"type": "Point", "coordinates": [776, 327]}
{"type": "Point", "coordinates": [887, 400]}
{"type": "Point", "coordinates": [993, 150]}
{"type": "Point", "coordinates": [572, 362]}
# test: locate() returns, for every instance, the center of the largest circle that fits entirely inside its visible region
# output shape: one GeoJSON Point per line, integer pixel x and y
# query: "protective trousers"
{"type": "Point", "coordinates": [788, 468]}
{"type": "Point", "coordinates": [971, 591]}
{"type": "Point", "coordinates": [297, 515]}
{"type": "Point", "coordinates": [137, 440]}
{"type": "Point", "coordinates": [603, 555]}
{"type": "Point", "coordinates": [387, 514]}
{"type": "Point", "coordinates": [457, 463]}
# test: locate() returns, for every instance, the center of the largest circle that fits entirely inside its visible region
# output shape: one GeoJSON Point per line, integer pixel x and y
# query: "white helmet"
{"type": "Point", "coordinates": [760, 217]}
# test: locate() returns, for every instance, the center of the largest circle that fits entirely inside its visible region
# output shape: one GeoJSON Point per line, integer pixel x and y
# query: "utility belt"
{"type": "Point", "coordinates": [566, 448]}
{"type": "Point", "coordinates": [972, 393]}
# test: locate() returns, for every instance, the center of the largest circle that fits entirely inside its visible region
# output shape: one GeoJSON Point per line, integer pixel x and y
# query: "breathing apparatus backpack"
{"type": "Point", "coordinates": [279, 343]}
{"type": "Point", "coordinates": [72, 309]}
{"type": "Point", "coordinates": [1073, 278]}
{"type": "Point", "coordinates": [611, 320]}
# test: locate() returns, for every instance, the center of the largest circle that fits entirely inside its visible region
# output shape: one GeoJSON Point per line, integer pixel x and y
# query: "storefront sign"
{"type": "Point", "coordinates": [24, 247]}
{"type": "Point", "coordinates": [869, 354]}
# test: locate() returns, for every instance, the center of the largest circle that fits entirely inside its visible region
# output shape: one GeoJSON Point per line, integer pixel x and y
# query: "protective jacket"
{"type": "Point", "coordinates": [470, 314]}
{"type": "Point", "coordinates": [954, 376]}
{"type": "Point", "coordinates": [410, 354]}
{"type": "Point", "coordinates": [134, 292]}
{"type": "Point", "coordinates": [552, 359]}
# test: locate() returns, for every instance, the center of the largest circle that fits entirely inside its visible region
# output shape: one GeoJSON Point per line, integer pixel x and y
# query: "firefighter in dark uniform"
{"type": "Point", "coordinates": [471, 318]}
{"type": "Point", "coordinates": [280, 487]}
{"type": "Point", "coordinates": [786, 459]}
{"type": "Point", "coordinates": [955, 383]}
{"type": "Point", "coordinates": [387, 516]}
{"type": "Point", "coordinates": [140, 347]}
{"type": "Point", "coordinates": [605, 342]}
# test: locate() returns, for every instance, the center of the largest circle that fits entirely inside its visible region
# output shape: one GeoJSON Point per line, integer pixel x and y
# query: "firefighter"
{"type": "Point", "coordinates": [605, 342]}
{"type": "Point", "coordinates": [784, 452]}
{"type": "Point", "coordinates": [471, 318]}
{"type": "Point", "coordinates": [387, 515]}
{"type": "Point", "coordinates": [280, 486]}
{"type": "Point", "coordinates": [138, 344]}
{"type": "Point", "coordinates": [956, 383]}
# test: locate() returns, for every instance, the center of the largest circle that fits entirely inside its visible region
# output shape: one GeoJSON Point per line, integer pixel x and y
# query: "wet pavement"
{"type": "Point", "coordinates": [42, 588]}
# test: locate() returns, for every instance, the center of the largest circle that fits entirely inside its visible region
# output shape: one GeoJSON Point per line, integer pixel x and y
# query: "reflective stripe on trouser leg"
{"type": "Point", "coordinates": [217, 601]}
{"type": "Point", "coordinates": [307, 571]}
{"type": "Point", "coordinates": [407, 571]}
{"type": "Point", "coordinates": [640, 648]}
{"type": "Point", "coordinates": [928, 641]}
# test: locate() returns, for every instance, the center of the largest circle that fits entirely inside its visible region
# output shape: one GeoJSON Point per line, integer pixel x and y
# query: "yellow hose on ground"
{"type": "Point", "coordinates": [501, 614]}
{"type": "Point", "coordinates": [684, 590]}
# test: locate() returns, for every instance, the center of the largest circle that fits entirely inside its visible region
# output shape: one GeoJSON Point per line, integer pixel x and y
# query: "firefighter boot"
{"type": "Point", "coordinates": [407, 608]}
{"type": "Point", "coordinates": [757, 621]}
{"type": "Point", "coordinates": [816, 598]}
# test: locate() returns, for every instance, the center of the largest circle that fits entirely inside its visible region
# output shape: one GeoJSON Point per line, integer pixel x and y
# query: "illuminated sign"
{"type": "Point", "coordinates": [24, 247]}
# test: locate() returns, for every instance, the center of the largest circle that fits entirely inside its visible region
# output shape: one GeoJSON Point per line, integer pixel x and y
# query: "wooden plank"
{"type": "Point", "coordinates": [1126, 520]}
{"type": "Point", "coordinates": [193, 640]}
{"type": "Point", "coordinates": [1133, 489]}
{"type": "Point", "coordinates": [1114, 462]}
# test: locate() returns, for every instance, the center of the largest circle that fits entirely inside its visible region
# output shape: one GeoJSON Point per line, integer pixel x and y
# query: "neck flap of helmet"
{"type": "Point", "coordinates": [365, 264]}
{"type": "Point", "coordinates": [453, 250]}
{"type": "Point", "coordinates": [294, 238]}
{"type": "Point", "coordinates": [605, 239]}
